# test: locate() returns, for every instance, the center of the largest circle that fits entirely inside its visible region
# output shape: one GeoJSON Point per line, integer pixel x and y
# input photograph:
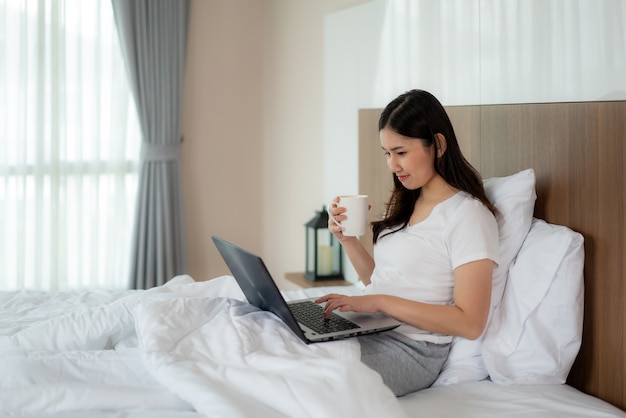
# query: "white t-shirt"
{"type": "Point", "coordinates": [418, 262]}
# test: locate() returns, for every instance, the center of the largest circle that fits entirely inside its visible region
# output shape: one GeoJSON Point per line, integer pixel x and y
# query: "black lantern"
{"type": "Point", "coordinates": [323, 250]}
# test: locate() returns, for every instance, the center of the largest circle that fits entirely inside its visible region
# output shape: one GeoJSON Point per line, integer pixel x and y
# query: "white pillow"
{"type": "Point", "coordinates": [514, 196]}
{"type": "Point", "coordinates": [536, 331]}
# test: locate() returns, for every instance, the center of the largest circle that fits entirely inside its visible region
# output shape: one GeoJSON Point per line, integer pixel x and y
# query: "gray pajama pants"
{"type": "Point", "coordinates": [405, 365]}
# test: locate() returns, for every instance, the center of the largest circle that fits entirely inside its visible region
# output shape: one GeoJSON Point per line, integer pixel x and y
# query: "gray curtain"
{"type": "Point", "coordinates": [153, 38]}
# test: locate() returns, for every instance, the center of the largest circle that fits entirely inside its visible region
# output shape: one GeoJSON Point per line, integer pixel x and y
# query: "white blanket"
{"type": "Point", "coordinates": [182, 346]}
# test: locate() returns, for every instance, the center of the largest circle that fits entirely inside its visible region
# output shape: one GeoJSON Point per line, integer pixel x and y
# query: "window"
{"type": "Point", "coordinates": [69, 147]}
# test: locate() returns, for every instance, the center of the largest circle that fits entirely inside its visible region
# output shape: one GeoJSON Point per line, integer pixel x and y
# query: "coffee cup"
{"type": "Point", "coordinates": [356, 213]}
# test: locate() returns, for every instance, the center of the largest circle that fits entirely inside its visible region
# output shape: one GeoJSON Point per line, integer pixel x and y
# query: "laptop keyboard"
{"type": "Point", "coordinates": [312, 315]}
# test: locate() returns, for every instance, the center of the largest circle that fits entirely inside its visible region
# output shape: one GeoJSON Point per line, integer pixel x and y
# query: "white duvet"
{"type": "Point", "coordinates": [182, 346]}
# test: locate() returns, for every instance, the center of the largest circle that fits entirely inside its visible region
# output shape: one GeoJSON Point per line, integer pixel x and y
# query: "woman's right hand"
{"type": "Point", "coordinates": [336, 212]}
{"type": "Point", "coordinates": [359, 257]}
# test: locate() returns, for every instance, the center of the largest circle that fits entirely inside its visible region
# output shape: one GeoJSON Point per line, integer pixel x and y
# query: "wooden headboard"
{"type": "Point", "coordinates": [578, 153]}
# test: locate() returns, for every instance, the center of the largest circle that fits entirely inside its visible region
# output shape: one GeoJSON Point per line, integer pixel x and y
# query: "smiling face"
{"type": "Point", "coordinates": [409, 159]}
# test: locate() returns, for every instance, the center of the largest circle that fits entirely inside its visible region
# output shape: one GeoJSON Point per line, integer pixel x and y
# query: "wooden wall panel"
{"type": "Point", "coordinates": [466, 122]}
{"type": "Point", "coordinates": [577, 151]}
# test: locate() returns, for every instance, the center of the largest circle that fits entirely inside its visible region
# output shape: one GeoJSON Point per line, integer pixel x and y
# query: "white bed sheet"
{"type": "Point", "coordinates": [486, 399]}
{"type": "Point", "coordinates": [188, 349]}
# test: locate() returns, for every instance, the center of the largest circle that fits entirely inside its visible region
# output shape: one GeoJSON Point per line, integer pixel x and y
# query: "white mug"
{"type": "Point", "coordinates": [356, 212]}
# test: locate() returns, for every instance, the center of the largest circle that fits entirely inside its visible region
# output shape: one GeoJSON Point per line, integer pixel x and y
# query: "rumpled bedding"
{"type": "Point", "coordinates": [185, 345]}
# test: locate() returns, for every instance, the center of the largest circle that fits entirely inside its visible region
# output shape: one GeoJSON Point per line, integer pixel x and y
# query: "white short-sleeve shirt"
{"type": "Point", "coordinates": [418, 262]}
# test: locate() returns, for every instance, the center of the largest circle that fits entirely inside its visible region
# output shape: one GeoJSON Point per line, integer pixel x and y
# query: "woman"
{"type": "Point", "coordinates": [434, 251]}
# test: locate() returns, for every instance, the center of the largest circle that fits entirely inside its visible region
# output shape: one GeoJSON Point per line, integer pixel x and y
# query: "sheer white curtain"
{"type": "Point", "coordinates": [69, 147]}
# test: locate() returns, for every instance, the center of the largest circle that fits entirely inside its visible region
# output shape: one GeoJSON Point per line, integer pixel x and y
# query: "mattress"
{"type": "Point", "coordinates": [485, 399]}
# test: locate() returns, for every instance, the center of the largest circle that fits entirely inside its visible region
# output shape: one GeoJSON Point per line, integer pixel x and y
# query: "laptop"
{"type": "Point", "coordinates": [304, 317]}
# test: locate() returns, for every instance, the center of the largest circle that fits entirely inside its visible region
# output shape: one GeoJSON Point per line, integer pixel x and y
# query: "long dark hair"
{"type": "Point", "coordinates": [418, 114]}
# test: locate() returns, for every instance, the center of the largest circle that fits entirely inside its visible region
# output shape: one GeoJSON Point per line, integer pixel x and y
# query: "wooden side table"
{"type": "Point", "coordinates": [300, 280]}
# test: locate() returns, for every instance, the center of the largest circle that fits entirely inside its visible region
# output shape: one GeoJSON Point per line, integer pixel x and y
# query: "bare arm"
{"type": "Point", "coordinates": [466, 318]}
{"type": "Point", "coordinates": [359, 257]}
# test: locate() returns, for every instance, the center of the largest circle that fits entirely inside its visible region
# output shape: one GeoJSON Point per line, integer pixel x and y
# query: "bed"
{"type": "Point", "coordinates": [197, 349]}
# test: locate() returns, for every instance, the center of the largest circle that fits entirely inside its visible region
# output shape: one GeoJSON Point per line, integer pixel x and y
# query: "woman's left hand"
{"type": "Point", "coordinates": [369, 303]}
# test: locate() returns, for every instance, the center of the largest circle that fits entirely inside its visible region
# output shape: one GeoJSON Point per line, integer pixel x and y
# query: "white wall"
{"type": "Point", "coordinates": [222, 123]}
{"type": "Point", "coordinates": [252, 160]}
{"type": "Point", "coordinates": [464, 52]}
